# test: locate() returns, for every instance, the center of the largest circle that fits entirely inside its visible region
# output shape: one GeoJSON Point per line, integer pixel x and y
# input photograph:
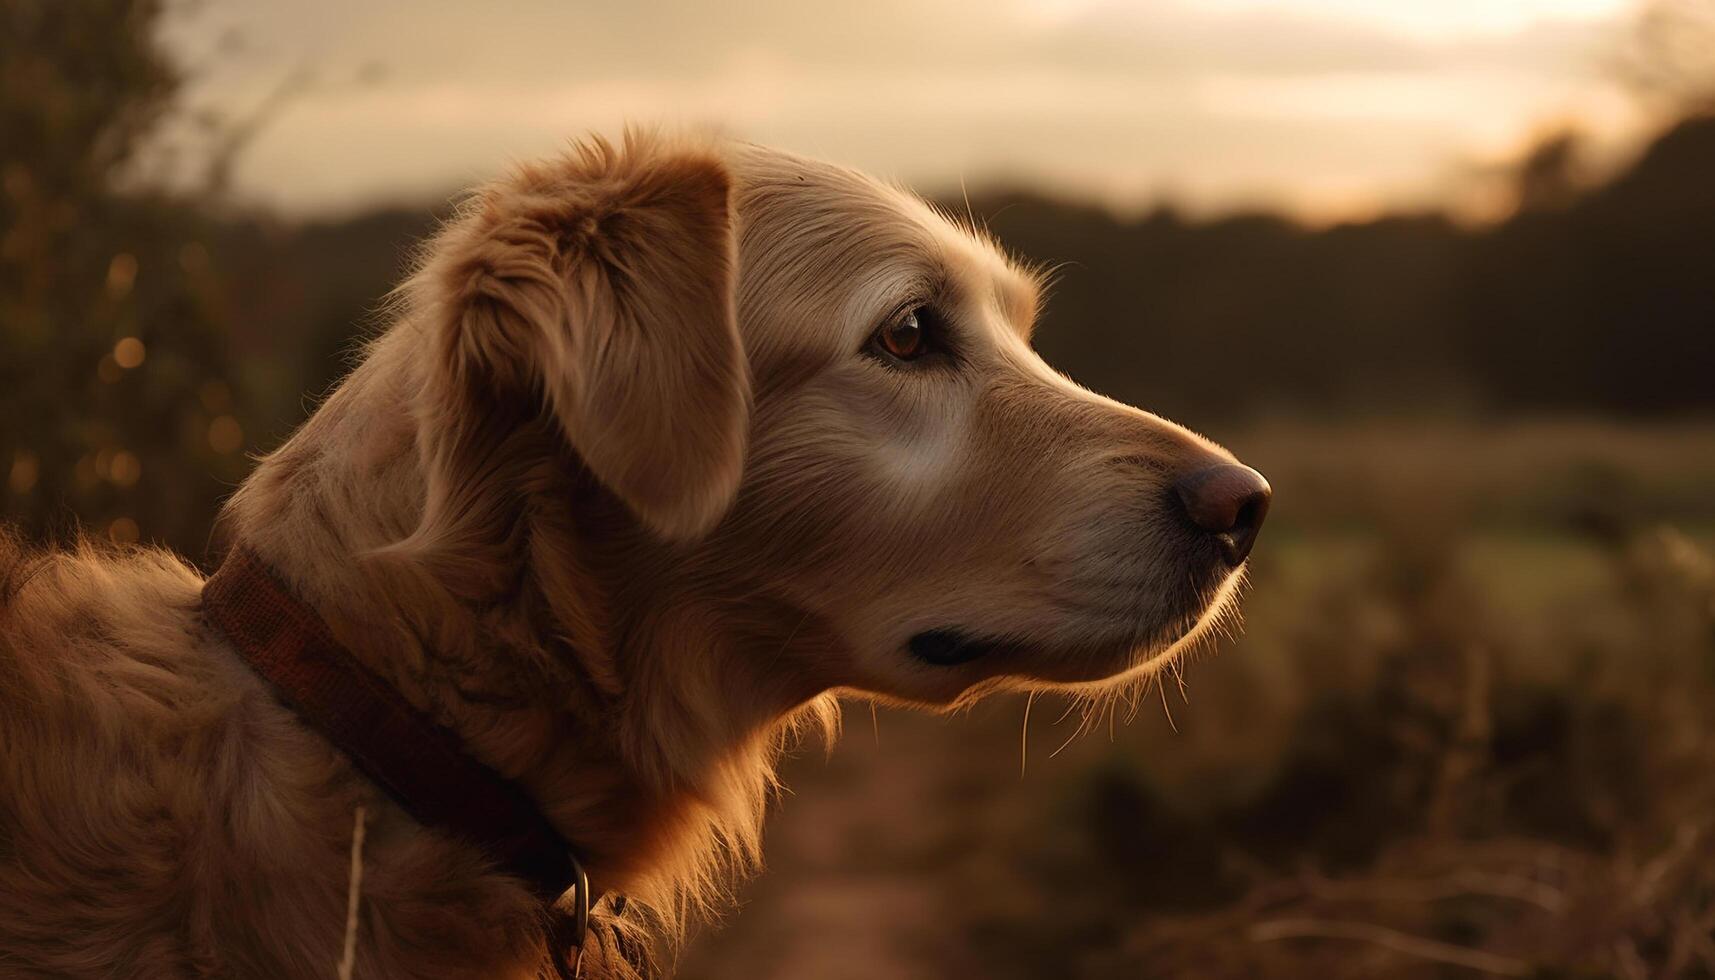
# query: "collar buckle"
{"type": "Point", "coordinates": [570, 928]}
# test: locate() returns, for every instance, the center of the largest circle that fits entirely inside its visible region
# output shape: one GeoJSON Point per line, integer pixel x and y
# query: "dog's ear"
{"type": "Point", "coordinates": [602, 285]}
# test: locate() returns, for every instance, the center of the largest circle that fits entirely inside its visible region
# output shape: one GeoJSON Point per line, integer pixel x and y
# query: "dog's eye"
{"type": "Point", "coordinates": [907, 336]}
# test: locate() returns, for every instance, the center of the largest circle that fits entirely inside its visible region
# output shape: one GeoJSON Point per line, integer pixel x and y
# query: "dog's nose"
{"type": "Point", "coordinates": [1229, 501]}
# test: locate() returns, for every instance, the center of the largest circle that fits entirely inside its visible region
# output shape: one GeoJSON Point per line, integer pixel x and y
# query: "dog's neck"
{"type": "Point", "coordinates": [647, 737]}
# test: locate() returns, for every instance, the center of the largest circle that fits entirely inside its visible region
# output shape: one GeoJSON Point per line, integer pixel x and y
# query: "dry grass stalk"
{"type": "Point", "coordinates": [1391, 939]}
{"type": "Point", "coordinates": [348, 960]}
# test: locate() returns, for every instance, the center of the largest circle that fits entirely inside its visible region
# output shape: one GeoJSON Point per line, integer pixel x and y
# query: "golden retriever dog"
{"type": "Point", "coordinates": [664, 447]}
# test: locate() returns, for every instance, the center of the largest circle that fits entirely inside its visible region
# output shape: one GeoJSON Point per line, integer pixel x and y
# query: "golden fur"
{"type": "Point", "coordinates": [619, 497]}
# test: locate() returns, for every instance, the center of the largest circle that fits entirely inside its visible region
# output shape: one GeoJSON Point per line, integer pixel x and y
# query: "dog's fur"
{"type": "Point", "coordinates": [621, 497]}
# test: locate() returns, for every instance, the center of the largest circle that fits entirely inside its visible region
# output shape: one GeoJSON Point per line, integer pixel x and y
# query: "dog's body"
{"type": "Point", "coordinates": [666, 445]}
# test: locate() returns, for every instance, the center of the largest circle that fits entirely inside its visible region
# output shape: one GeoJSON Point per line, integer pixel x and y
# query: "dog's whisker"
{"type": "Point", "coordinates": [1024, 735]}
{"type": "Point", "coordinates": [1162, 690]}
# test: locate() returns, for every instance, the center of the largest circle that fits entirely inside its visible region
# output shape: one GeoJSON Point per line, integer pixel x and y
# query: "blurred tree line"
{"type": "Point", "coordinates": [1586, 300]}
{"type": "Point", "coordinates": [149, 341]}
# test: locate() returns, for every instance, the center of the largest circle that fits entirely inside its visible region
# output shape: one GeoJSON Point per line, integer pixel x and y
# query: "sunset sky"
{"type": "Point", "coordinates": [1328, 108]}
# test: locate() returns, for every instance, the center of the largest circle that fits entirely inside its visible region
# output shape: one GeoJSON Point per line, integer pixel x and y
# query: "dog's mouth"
{"type": "Point", "coordinates": [946, 648]}
{"type": "Point", "coordinates": [953, 647]}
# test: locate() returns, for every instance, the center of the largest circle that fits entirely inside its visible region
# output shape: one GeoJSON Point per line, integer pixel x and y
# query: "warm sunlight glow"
{"type": "Point", "coordinates": [1324, 107]}
{"type": "Point", "coordinates": [1439, 19]}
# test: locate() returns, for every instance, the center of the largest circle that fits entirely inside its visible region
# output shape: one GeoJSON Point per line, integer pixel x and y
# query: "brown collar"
{"type": "Point", "coordinates": [420, 764]}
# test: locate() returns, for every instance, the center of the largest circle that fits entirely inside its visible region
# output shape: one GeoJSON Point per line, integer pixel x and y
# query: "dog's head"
{"type": "Point", "coordinates": [812, 399]}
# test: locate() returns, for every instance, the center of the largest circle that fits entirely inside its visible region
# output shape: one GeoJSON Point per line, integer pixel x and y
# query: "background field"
{"type": "Point", "coordinates": [1468, 727]}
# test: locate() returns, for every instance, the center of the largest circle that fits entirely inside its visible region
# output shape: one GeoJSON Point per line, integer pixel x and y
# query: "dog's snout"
{"type": "Point", "coordinates": [1229, 501]}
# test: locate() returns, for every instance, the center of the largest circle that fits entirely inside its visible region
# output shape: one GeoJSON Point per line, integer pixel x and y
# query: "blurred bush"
{"type": "Point", "coordinates": [115, 410]}
{"type": "Point", "coordinates": [1476, 797]}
